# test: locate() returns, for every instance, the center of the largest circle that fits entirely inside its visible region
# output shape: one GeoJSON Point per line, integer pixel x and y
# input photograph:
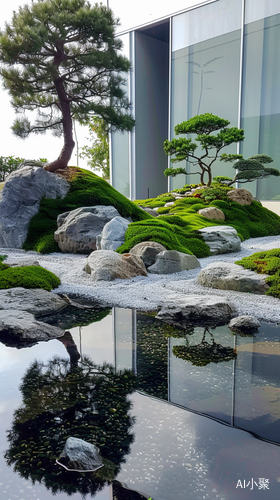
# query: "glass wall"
{"type": "Point", "coordinates": [206, 69]}
{"type": "Point", "coordinates": [120, 172]}
{"type": "Point", "coordinates": [261, 93]}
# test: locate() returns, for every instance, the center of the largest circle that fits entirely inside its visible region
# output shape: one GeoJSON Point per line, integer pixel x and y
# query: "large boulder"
{"type": "Point", "coordinates": [184, 309]}
{"type": "Point", "coordinates": [25, 328]}
{"type": "Point", "coordinates": [78, 229]}
{"type": "Point", "coordinates": [79, 455]}
{"type": "Point", "coordinates": [147, 251]}
{"type": "Point", "coordinates": [113, 234]}
{"type": "Point", "coordinates": [172, 261]}
{"type": "Point", "coordinates": [241, 196]}
{"type": "Point", "coordinates": [212, 213]}
{"type": "Point", "coordinates": [227, 276]}
{"type": "Point", "coordinates": [107, 265]}
{"type": "Point", "coordinates": [34, 301]}
{"type": "Point", "coordinates": [20, 201]}
{"type": "Point", "coordinates": [221, 239]}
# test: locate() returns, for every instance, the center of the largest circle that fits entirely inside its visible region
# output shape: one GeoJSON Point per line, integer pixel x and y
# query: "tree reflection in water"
{"type": "Point", "coordinates": [204, 353]}
{"type": "Point", "coordinates": [62, 399]}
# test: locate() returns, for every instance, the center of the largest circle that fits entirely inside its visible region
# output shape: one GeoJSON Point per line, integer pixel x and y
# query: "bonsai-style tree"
{"type": "Point", "coordinates": [211, 145]}
{"type": "Point", "coordinates": [98, 152]}
{"type": "Point", "coordinates": [249, 170]}
{"type": "Point", "coordinates": [204, 353]}
{"type": "Point", "coordinates": [61, 58]}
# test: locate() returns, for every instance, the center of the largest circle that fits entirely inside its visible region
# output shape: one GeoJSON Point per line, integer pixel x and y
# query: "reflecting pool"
{"type": "Point", "coordinates": [176, 414]}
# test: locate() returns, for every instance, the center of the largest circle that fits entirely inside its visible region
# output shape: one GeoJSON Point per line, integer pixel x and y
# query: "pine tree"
{"type": "Point", "coordinates": [61, 58]}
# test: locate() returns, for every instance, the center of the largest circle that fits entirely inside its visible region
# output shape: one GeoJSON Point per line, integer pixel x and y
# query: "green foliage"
{"type": "Point", "coordinates": [251, 169]}
{"type": "Point", "coordinates": [61, 58]}
{"type": "Point", "coordinates": [222, 178]}
{"type": "Point", "coordinates": [98, 153]}
{"type": "Point", "coordinates": [171, 231]}
{"type": "Point", "coordinates": [211, 145]}
{"type": "Point", "coordinates": [172, 172]}
{"type": "Point", "coordinates": [215, 192]}
{"type": "Point", "coordinates": [86, 189]}
{"type": "Point", "coordinates": [265, 262]}
{"type": "Point", "coordinates": [28, 277]}
{"type": "Point", "coordinates": [159, 201]}
{"type": "Point", "coordinates": [7, 165]}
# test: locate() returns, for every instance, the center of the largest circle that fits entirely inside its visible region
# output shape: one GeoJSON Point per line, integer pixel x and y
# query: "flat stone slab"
{"type": "Point", "coordinates": [35, 301]}
{"type": "Point", "coordinates": [227, 276]}
{"type": "Point", "coordinates": [25, 327]}
{"type": "Point", "coordinates": [185, 309]}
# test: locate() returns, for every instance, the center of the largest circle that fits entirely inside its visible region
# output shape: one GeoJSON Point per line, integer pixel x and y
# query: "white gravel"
{"type": "Point", "coordinates": [147, 293]}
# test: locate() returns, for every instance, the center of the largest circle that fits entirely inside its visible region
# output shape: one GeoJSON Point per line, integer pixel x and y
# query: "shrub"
{"type": "Point", "coordinates": [28, 277]}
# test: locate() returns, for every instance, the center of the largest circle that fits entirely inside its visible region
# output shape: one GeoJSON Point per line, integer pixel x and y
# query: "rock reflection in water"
{"type": "Point", "coordinates": [61, 400]}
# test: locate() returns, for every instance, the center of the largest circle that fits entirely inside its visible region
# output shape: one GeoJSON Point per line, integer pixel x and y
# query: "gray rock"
{"type": "Point", "coordinates": [221, 239]}
{"type": "Point", "coordinates": [182, 309]}
{"type": "Point", "coordinates": [35, 301]}
{"type": "Point", "coordinates": [171, 261]}
{"type": "Point", "coordinates": [244, 323]}
{"type": "Point", "coordinates": [21, 197]}
{"type": "Point", "coordinates": [227, 276]}
{"type": "Point", "coordinates": [78, 229]}
{"type": "Point", "coordinates": [147, 251]}
{"type": "Point", "coordinates": [150, 211]}
{"type": "Point", "coordinates": [79, 455]}
{"type": "Point", "coordinates": [107, 265]}
{"type": "Point", "coordinates": [24, 327]}
{"type": "Point", "coordinates": [113, 234]}
{"type": "Point", "coordinates": [212, 213]}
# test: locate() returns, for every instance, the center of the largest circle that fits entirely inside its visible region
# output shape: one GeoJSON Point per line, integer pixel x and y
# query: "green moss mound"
{"type": "Point", "coordinates": [170, 231]}
{"type": "Point", "coordinates": [266, 262]}
{"type": "Point", "coordinates": [86, 189]}
{"type": "Point", "coordinates": [28, 277]}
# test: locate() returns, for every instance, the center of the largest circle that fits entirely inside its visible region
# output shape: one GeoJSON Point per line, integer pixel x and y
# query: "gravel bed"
{"type": "Point", "coordinates": [148, 293]}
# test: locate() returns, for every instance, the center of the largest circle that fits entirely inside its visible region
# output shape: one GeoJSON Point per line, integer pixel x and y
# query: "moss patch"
{"type": "Point", "coordinates": [170, 231]}
{"type": "Point", "coordinates": [86, 189]}
{"type": "Point", "coordinates": [266, 262]}
{"type": "Point", "coordinates": [28, 277]}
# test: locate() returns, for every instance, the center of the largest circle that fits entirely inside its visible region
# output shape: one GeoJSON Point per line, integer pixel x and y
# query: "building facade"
{"type": "Point", "coordinates": [220, 57]}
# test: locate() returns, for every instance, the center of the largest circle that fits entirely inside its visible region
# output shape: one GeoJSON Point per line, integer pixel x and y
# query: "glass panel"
{"type": "Point", "coordinates": [120, 145]}
{"type": "Point", "coordinates": [203, 386]}
{"type": "Point", "coordinates": [259, 9]}
{"type": "Point", "coordinates": [261, 98]}
{"type": "Point", "coordinates": [123, 332]}
{"type": "Point", "coordinates": [205, 79]}
{"type": "Point", "coordinates": [206, 22]}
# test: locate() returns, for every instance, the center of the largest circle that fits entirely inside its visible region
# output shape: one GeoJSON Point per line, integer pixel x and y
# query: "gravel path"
{"type": "Point", "coordinates": [147, 293]}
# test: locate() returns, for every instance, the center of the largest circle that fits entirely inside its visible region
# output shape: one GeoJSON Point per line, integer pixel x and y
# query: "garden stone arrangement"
{"type": "Point", "coordinates": [118, 254]}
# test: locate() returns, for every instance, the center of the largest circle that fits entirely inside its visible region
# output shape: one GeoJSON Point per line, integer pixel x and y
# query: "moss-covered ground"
{"type": "Point", "coordinates": [27, 277]}
{"type": "Point", "coordinates": [176, 227]}
{"type": "Point", "coordinates": [86, 189]}
{"type": "Point", "coordinates": [266, 262]}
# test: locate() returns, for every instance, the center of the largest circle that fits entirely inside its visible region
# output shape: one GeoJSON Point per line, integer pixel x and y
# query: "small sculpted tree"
{"type": "Point", "coordinates": [61, 58]}
{"type": "Point", "coordinates": [211, 145]}
{"type": "Point", "coordinates": [249, 170]}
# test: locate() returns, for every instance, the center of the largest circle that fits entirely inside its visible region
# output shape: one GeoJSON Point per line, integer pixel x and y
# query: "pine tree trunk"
{"type": "Point", "coordinates": [62, 161]}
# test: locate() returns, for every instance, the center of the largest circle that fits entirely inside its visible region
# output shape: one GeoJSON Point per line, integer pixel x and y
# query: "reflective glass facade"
{"type": "Point", "coordinates": [221, 57]}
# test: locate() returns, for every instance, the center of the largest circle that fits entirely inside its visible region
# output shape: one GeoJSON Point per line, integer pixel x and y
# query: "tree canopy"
{"type": "Point", "coordinates": [98, 152]}
{"type": "Point", "coordinates": [251, 169]}
{"type": "Point", "coordinates": [61, 58]}
{"type": "Point", "coordinates": [211, 145]}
